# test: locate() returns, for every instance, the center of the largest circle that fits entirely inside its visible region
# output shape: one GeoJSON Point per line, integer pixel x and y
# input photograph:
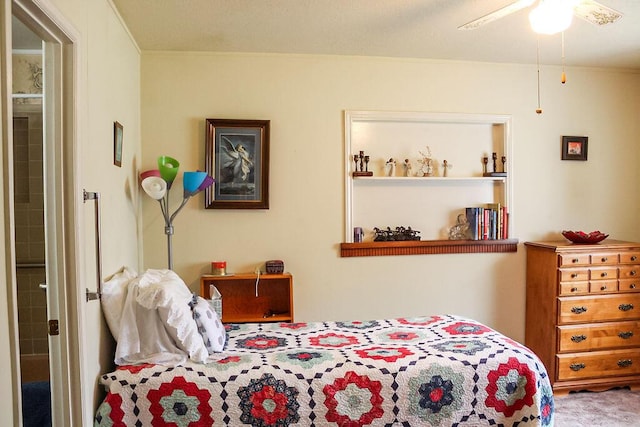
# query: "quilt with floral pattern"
{"type": "Point", "coordinates": [424, 371]}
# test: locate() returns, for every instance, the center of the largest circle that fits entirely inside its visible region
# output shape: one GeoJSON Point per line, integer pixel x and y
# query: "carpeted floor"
{"type": "Point", "coordinates": [612, 408]}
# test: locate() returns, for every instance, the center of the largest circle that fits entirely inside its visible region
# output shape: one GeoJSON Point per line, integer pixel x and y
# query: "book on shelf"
{"type": "Point", "coordinates": [489, 222]}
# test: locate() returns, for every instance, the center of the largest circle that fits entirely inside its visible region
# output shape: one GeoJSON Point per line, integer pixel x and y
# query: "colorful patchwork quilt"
{"type": "Point", "coordinates": [426, 371]}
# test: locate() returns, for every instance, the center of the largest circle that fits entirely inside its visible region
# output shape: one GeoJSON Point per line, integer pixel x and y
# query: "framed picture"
{"type": "Point", "coordinates": [574, 147]}
{"type": "Point", "coordinates": [117, 144]}
{"type": "Point", "coordinates": [237, 156]}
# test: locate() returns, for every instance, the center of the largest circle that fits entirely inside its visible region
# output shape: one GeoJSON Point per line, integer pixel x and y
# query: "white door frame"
{"type": "Point", "coordinates": [62, 205]}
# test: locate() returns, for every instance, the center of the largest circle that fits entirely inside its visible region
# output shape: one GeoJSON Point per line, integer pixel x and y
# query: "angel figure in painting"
{"type": "Point", "coordinates": [236, 162]}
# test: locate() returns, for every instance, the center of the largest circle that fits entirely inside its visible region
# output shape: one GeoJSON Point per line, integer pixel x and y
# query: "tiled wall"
{"type": "Point", "coordinates": [29, 212]}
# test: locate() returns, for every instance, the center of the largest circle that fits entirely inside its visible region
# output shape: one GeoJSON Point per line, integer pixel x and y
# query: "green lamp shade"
{"type": "Point", "coordinates": [168, 169]}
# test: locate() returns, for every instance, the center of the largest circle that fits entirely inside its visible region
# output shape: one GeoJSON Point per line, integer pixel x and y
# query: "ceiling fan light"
{"type": "Point", "coordinates": [551, 17]}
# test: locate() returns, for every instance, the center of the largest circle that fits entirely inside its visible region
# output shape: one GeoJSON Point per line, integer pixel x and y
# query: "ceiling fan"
{"type": "Point", "coordinates": [589, 10]}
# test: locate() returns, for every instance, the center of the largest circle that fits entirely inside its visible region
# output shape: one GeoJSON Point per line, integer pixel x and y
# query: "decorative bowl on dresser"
{"type": "Point", "coordinates": [583, 313]}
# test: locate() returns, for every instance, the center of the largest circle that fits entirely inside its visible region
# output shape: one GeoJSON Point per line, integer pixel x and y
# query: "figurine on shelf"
{"type": "Point", "coordinates": [427, 168]}
{"type": "Point", "coordinates": [445, 167]}
{"type": "Point", "coordinates": [460, 231]}
{"type": "Point", "coordinates": [485, 160]}
{"type": "Point", "coordinates": [504, 160]}
{"type": "Point", "coordinates": [390, 167]}
{"type": "Point", "coordinates": [408, 169]}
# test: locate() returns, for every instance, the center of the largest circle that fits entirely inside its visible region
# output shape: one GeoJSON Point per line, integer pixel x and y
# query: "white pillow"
{"type": "Point", "coordinates": [209, 325]}
{"type": "Point", "coordinates": [165, 291]}
{"type": "Point", "coordinates": [113, 296]}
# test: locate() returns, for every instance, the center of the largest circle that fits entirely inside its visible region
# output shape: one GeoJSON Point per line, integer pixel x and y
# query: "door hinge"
{"type": "Point", "coordinates": [53, 327]}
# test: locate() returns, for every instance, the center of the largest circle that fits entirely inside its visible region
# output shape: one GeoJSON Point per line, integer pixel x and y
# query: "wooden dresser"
{"type": "Point", "coordinates": [583, 313]}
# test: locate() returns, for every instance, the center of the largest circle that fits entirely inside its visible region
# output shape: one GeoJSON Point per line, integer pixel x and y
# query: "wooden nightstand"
{"type": "Point", "coordinates": [249, 298]}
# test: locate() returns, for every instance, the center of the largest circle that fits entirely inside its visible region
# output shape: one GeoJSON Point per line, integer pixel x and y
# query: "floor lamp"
{"type": "Point", "coordinates": [157, 184]}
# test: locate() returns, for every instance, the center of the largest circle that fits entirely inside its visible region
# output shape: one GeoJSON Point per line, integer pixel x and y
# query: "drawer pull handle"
{"type": "Point", "coordinates": [604, 259]}
{"type": "Point", "coordinates": [625, 363]}
{"type": "Point", "coordinates": [575, 260]}
{"type": "Point", "coordinates": [603, 274]}
{"type": "Point", "coordinates": [574, 275]}
{"type": "Point", "coordinates": [632, 273]}
{"type": "Point", "coordinates": [632, 286]}
{"type": "Point", "coordinates": [578, 338]}
{"type": "Point", "coordinates": [625, 307]}
{"type": "Point", "coordinates": [578, 366]}
{"type": "Point", "coordinates": [603, 287]}
{"type": "Point", "coordinates": [625, 335]}
{"type": "Point", "coordinates": [574, 289]}
{"type": "Point", "coordinates": [633, 258]}
{"type": "Point", "coordinates": [579, 310]}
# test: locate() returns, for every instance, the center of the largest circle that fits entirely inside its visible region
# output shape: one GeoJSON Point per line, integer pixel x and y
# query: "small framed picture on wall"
{"type": "Point", "coordinates": [574, 147]}
{"type": "Point", "coordinates": [117, 144]}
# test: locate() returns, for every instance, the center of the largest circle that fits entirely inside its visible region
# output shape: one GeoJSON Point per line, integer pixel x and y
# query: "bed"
{"type": "Point", "coordinates": [442, 370]}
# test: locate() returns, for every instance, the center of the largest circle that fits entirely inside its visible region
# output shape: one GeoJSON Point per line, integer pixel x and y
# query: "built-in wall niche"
{"type": "Point", "coordinates": [429, 204]}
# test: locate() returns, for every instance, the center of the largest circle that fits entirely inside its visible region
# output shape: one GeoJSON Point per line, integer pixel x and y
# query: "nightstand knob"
{"type": "Point", "coordinates": [578, 338]}
{"type": "Point", "coordinates": [632, 273]}
{"type": "Point", "coordinates": [580, 310]}
{"type": "Point", "coordinates": [632, 286]}
{"type": "Point", "coordinates": [603, 287]}
{"type": "Point", "coordinates": [633, 258]}
{"type": "Point", "coordinates": [625, 363]}
{"type": "Point", "coordinates": [625, 307]}
{"type": "Point", "coordinates": [625, 335]}
{"type": "Point", "coordinates": [575, 260]}
{"type": "Point", "coordinates": [578, 366]}
{"type": "Point", "coordinates": [604, 259]}
{"type": "Point", "coordinates": [574, 289]}
{"type": "Point", "coordinates": [574, 275]}
{"type": "Point", "coordinates": [603, 274]}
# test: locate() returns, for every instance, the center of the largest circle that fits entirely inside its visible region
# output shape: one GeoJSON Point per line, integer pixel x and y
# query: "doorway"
{"type": "Point", "coordinates": [29, 234]}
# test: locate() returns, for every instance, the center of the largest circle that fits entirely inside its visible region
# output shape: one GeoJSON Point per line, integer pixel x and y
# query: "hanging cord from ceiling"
{"type": "Point", "coordinates": [539, 109]}
{"type": "Point", "coordinates": [563, 79]}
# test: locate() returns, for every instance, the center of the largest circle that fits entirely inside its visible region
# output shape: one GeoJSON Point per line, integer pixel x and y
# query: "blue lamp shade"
{"type": "Point", "coordinates": [155, 187]}
{"type": "Point", "coordinates": [191, 182]}
{"type": "Point", "coordinates": [168, 169]}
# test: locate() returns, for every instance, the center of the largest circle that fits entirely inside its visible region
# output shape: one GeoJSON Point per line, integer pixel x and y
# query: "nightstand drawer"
{"type": "Point", "coordinates": [603, 286]}
{"type": "Point", "coordinates": [629, 272]}
{"type": "Point", "coordinates": [598, 308]}
{"type": "Point", "coordinates": [629, 257]}
{"type": "Point", "coordinates": [604, 258]}
{"type": "Point", "coordinates": [598, 336]}
{"type": "Point", "coordinates": [605, 273]}
{"type": "Point", "coordinates": [595, 364]}
{"type": "Point", "coordinates": [570, 288]}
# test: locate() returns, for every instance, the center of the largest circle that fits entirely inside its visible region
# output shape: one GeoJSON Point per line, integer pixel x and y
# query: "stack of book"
{"type": "Point", "coordinates": [490, 222]}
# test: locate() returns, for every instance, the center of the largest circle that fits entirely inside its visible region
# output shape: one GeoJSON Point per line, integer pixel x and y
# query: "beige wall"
{"type": "Point", "coordinates": [305, 97]}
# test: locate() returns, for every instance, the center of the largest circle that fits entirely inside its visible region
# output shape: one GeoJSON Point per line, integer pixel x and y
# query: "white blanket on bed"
{"type": "Point", "coordinates": [157, 325]}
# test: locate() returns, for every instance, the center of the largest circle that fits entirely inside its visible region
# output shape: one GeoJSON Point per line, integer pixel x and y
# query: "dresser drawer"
{"type": "Point", "coordinates": [598, 336]}
{"type": "Point", "coordinates": [624, 306]}
{"type": "Point", "coordinates": [604, 258]}
{"type": "Point", "coordinates": [597, 364]}
{"type": "Point", "coordinates": [629, 272]}
{"type": "Point", "coordinates": [629, 257]}
{"type": "Point", "coordinates": [629, 285]}
{"type": "Point", "coordinates": [603, 273]}
{"type": "Point", "coordinates": [573, 260]}
{"type": "Point", "coordinates": [573, 288]}
{"type": "Point", "coordinates": [573, 274]}
{"type": "Point", "coordinates": [603, 286]}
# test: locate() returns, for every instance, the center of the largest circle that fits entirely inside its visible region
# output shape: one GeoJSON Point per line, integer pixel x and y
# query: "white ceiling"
{"type": "Point", "coordinates": [393, 28]}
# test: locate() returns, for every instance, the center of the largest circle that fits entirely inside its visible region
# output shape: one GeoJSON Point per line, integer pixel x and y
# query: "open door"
{"type": "Point", "coordinates": [61, 200]}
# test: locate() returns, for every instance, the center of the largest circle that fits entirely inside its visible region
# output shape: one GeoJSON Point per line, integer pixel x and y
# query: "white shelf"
{"type": "Point", "coordinates": [427, 204]}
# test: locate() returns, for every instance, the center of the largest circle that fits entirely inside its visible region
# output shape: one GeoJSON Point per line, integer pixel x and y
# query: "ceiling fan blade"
{"type": "Point", "coordinates": [596, 13]}
{"type": "Point", "coordinates": [497, 14]}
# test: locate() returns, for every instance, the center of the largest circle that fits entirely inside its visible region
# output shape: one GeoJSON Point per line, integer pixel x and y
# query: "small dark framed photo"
{"type": "Point", "coordinates": [117, 144]}
{"type": "Point", "coordinates": [574, 147]}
